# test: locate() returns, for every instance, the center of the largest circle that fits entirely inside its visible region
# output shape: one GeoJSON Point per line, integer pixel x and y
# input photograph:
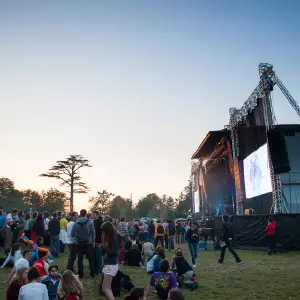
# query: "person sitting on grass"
{"type": "Point", "coordinates": [182, 267]}
{"type": "Point", "coordinates": [33, 290]}
{"type": "Point", "coordinates": [122, 254]}
{"type": "Point", "coordinates": [154, 261]}
{"type": "Point", "coordinates": [70, 287]}
{"type": "Point", "coordinates": [162, 281]}
{"type": "Point", "coordinates": [16, 283]}
{"type": "Point", "coordinates": [133, 257]}
{"type": "Point", "coordinates": [41, 265]}
{"type": "Point", "coordinates": [52, 281]}
{"type": "Point", "coordinates": [14, 255]}
{"type": "Point", "coordinates": [136, 294]}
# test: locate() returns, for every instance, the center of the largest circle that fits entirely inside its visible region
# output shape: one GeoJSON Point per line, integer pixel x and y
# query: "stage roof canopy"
{"type": "Point", "coordinates": [211, 139]}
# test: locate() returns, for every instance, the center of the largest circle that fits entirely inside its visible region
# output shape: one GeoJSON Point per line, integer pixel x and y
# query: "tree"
{"type": "Point", "coordinates": [32, 198]}
{"type": "Point", "coordinates": [101, 202]}
{"type": "Point", "coordinates": [148, 206]}
{"type": "Point", "coordinates": [6, 187]}
{"type": "Point", "coordinates": [167, 207]}
{"type": "Point", "coordinates": [54, 200]}
{"type": "Point", "coordinates": [121, 207]}
{"type": "Point", "coordinates": [67, 171]}
{"type": "Point", "coordinates": [184, 202]}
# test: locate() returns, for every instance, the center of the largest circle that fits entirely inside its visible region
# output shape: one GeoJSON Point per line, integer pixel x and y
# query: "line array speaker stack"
{"type": "Point", "coordinates": [278, 152]}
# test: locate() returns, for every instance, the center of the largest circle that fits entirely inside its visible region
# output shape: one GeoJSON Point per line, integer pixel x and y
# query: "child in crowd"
{"type": "Point", "coordinates": [52, 281]}
{"type": "Point", "coordinates": [122, 254]}
{"type": "Point", "coordinates": [14, 255]}
{"type": "Point", "coordinates": [69, 287]}
{"type": "Point", "coordinates": [41, 265]}
{"type": "Point", "coordinates": [136, 294]}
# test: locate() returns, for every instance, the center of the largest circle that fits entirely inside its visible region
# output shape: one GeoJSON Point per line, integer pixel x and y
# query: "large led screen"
{"type": "Point", "coordinates": [196, 201]}
{"type": "Point", "coordinates": [257, 173]}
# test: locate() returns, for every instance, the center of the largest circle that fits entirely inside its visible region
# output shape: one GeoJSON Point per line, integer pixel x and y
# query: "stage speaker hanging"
{"type": "Point", "coordinates": [278, 152]}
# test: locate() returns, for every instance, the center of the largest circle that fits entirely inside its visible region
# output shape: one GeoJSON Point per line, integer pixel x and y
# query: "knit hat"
{"type": "Point", "coordinates": [22, 262]}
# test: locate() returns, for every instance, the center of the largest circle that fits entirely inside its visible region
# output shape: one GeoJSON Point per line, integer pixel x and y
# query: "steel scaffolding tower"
{"type": "Point", "coordinates": [262, 92]}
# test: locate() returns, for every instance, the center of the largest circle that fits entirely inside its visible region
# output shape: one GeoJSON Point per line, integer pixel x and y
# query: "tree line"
{"type": "Point", "coordinates": [67, 172]}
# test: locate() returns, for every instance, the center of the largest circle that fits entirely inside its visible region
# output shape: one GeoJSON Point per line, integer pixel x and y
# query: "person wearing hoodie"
{"type": "Point", "coordinates": [83, 232]}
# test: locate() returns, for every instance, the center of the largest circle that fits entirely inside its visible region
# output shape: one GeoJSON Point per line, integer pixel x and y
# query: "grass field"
{"type": "Point", "coordinates": [259, 277]}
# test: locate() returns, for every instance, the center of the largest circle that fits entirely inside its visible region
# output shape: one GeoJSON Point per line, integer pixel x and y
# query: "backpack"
{"type": "Point", "coordinates": [82, 233]}
{"type": "Point", "coordinates": [160, 229]}
{"type": "Point", "coordinates": [172, 230]}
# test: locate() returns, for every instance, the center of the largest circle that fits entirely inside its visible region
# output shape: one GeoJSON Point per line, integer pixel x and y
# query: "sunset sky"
{"type": "Point", "coordinates": [133, 86]}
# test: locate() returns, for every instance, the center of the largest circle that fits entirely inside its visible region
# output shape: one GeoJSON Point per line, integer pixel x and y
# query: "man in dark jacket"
{"type": "Point", "coordinates": [54, 230]}
{"type": "Point", "coordinates": [83, 232]}
{"type": "Point", "coordinates": [193, 241]}
{"type": "Point", "coordinates": [226, 239]}
{"type": "Point", "coordinates": [97, 250]}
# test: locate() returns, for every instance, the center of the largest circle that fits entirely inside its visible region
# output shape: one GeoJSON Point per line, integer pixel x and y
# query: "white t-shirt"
{"type": "Point", "coordinates": [46, 223]}
{"type": "Point", "coordinates": [69, 230]}
{"type": "Point", "coordinates": [33, 291]}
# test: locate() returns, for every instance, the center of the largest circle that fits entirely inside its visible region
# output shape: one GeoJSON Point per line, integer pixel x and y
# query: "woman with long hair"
{"type": "Point", "coordinates": [39, 226]}
{"type": "Point", "coordinates": [33, 290]}
{"type": "Point", "coordinates": [69, 287]}
{"type": "Point", "coordinates": [16, 283]}
{"type": "Point", "coordinates": [110, 257]}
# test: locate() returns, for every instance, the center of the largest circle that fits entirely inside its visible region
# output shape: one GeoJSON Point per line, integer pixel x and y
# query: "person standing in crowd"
{"type": "Point", "coordinates": [271, 229]}
{"type": "Point", "coordinates": [71, 242]}
{"type": "Point", "coordinates": [172, 235]}
{"type": "Point", "coordinates": [39, 227]}
{"type": "Point", "coordinates": [54, 230]}
{"type": "Point", "coordinates": [151, 232]}
{"type": "Point", "coordinates": [46, 226]}
{"type": "Point", "coordinates": [146, 228]}
{"type": "Point", "coordinates": [97, 250]}
{"type": "Point", "coordinates": [33, 290]}
{"type": "Point", "coordinates": [16, 283]}
{"type": "Point", "coordinates": [63, 232]}
{"type": "Point", "coordinates": [27, 228]}
{"type": "Point", "coordinates": [227, 234]}
{"type": "Point", "coordinates": [10, 219]}
{"type": "Point", "coordinates": [110, 255]}
{"type": "Point", "coordinates": [2, 226]}
{"type": "Point", "coordinates": [183, 233]}
{"type": "Point", "coordinates": [33, 233]}
{"type": "Point", "coordinates": [178, 233]}
{"type": "Point", "coordinates": [166, 237]}
{"type": "Point", "coordinates": [122, 231]}
{"type": "Point", "coordinates": [193, 240]}
{"type": "Point", "coordinates": [69, 287]}
{"type": "Point", "coordinates": [159, 233]}
{"type": "Point", "coordinates": [84, 232]}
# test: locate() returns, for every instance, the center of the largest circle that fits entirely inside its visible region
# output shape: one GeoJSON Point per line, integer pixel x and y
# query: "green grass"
{"type": "Point", "coordinates": [259, 277]}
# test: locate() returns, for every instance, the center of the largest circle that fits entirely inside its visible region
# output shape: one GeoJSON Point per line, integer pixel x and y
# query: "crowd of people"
{"type": "Point", "coordinates": [107, 244]}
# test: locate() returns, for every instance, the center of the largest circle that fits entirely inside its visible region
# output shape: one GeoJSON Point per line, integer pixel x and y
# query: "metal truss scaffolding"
{"type": "Point", "coordinates": [262, 92]}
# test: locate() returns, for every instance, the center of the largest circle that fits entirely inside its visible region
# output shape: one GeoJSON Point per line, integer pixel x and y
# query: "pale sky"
{"type": "Point", "coordinates": [133, 86]}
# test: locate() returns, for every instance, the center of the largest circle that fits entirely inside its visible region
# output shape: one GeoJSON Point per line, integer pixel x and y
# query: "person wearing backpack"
{"type": "Point", "coordinates": [83, 232]}
{"type": "Point", "coordinates": [159, 233]}
{"type": "Point", "coordinates": [162, 281]}
{"type": "Point", "coordinates": [172, 235]}
{"type": "Point", "coordinates": [227, 234]}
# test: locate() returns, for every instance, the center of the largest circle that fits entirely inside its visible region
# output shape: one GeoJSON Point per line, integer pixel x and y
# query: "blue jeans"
{"type": "Point", "coordinates": [54, 245]}
{"type": "Point", "coordinates": [194, 251]}
{"type": "Point", "coordinates": [146, 236]}
{"type": "Point", "coordinates": [99, 260]}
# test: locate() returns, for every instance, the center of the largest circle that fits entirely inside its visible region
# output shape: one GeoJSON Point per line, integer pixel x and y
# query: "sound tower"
{"type": "Point", "coordinates": [278, 152]}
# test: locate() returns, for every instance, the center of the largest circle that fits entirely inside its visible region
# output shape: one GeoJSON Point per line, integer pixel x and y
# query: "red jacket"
{"type": "Point", "coordinates": [271, 228]}
{"type": "Point", "coordinates": [40, 265]}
